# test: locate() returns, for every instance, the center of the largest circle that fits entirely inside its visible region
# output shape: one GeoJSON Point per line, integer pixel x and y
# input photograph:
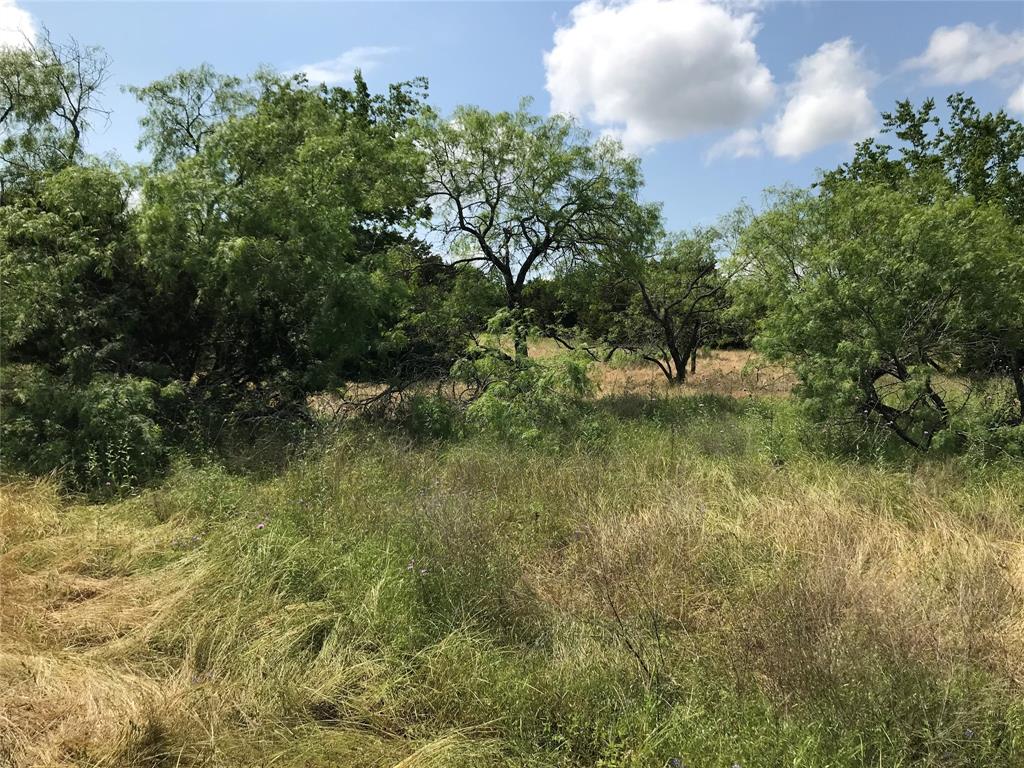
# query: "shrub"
{"type": "Point", "coordinates": [430, 417]}
{"type": "Point", "coordinates": [532, 401]}
{"type": "Point", "coordinates": [102, 436]}
{"type": "Point", "coordinates": [895, 312]}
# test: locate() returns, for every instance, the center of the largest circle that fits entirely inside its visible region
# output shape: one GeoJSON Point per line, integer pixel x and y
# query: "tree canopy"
{"type": "Point", "coordinates": [515, 193]}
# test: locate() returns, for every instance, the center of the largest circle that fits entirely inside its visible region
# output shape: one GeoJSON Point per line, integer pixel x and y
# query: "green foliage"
{"type": "Point", "coordinates": [101, 436]}
{"type": "Point", "coordinates": [430, 417]}
{"type": "Point", "coordinates": [48, 101]}
{"type": "Point", "coordinates": [880, 301]}
{"type": "Point", "coordinates": [438, 310]}
{"type": "Point", "coordinates": [74, 284]}
{"type": "Point", "coordinates": [183, 109]}
{"type": "Point", "coordinates": [515, 192]}
{"type": "Point", "coordinates": [976, 154]}
{"type": "Point", "coordinates": [274, 239]}
{"type": "Point", "coordinates": [661, 306]}
{"type": "Point", "coordinates": [527, 400]}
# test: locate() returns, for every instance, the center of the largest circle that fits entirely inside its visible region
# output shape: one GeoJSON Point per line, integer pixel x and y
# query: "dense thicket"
{"type": "Point", "coordinates": [269, 251]}
{"type": "Point", "coordinates": [287, 239]}
{"type": "Point", "coordinates": [896, 288]}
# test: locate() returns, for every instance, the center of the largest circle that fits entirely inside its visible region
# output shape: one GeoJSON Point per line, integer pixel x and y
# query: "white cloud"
{"type": "Point", "coordinates": [967, 52]}
{"type": "Point", "coordinates": [341, 68]}
{"type": "Point", "coordinates": [1016, 101]}
{"type": "Point", "coordinates": [746, 142]}
{"type": "Point", "coordinates": [17, 28]}
{"type": "Point", "coordinates": [828, 102]}
{"type": "Point", "coordinates": [653, 70]}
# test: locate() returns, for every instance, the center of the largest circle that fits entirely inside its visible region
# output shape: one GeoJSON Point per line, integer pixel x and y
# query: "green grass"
{"type": "Point", "coordinates": [691, 584]}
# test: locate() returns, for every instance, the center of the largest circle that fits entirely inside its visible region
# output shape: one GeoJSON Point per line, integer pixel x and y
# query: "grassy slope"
{"type": "Point", "coordinates": [689, 589]}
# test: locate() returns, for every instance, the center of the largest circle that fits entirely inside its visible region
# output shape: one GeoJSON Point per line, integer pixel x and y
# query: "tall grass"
{"type": "Point", "coordinates": [694, 589]}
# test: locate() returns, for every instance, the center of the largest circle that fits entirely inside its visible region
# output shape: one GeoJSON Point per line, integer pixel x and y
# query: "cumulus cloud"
{"type": "Point", "coordinates": [828, 102]}
{"type": "Point", "coordinates": [1016, 101]}
{"type": "Point", "coordinates": [967, 52]}
{"type": "Point", "coordinates": [654, 70]}
{"type": "Point", "coordinates": [17, 28]}
{"type": "Point", "coordinates": [341, 68]}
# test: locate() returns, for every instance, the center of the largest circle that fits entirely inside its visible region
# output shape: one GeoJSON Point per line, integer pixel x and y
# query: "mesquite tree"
{"type": "Point", "coordinates": [880, 301]}
{"type": "Point", "coordinates": [662, 304]}
{"type": "Point", "coordinates": [514, 192]}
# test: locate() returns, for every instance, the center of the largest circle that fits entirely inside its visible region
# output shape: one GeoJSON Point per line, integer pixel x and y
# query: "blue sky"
{"type": "Point", "coordinates": [720, 100]}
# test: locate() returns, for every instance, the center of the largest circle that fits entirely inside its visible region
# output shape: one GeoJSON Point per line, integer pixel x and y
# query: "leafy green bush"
{"type": "Point", "coordinates": [430, 417]}
{"type": "Point", "coordinates": [527, 400]}
{"type": "Point", "coordinates": [885, 332]}
{"type": "Point", "coordinates": [102, 436]}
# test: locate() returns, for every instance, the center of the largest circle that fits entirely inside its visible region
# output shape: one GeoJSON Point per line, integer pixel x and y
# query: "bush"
{"type": "Point", "coordinates": [430, 417]}
{"type": "Point", "coordinates": [531, 401]}
{"type": "Point", "coordinates": [100, 437]}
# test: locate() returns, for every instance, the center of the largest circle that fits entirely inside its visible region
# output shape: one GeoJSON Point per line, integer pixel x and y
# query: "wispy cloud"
{"type": "Point", "coordinates": [341, 68]}
{"type": "Point", "coordinates": [829, 102]}
{"type": "Point", "coordinates": [1016, 101]}
{"type": "Point", "coordinates": [967, 52]}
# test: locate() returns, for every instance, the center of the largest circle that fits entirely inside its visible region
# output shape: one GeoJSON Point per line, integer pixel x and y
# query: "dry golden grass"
{"type": "Point", "coordinates": [738, 373]}
{"type": "Point", "coordinates": [733, 373]}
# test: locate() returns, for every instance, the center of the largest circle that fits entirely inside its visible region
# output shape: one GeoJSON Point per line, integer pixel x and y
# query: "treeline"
{"type": "Point", "coordinates": [287, 239]}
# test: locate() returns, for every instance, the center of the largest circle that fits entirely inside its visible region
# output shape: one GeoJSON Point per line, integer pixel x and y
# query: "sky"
{"type": "Point", "coordinates": [720, 99]}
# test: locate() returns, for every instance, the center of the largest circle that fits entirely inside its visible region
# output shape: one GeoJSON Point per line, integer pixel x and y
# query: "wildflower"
{"type": "Point", "coordinates": [261, 526]}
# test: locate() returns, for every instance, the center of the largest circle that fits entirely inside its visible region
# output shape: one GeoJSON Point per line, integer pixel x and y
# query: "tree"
{"type": "Point", "coordinates": [662, 307]}
{"type": "Point", "coordinates": [183, 109]}
{"type": "Point", "coordinates": [48, 101]}
{"type": "Point", "coordinates": [873, 296]}
{"type": "Point", "coordinates": [515, 192]}
{"type": "Point", "coordinates": [274, 261]}
{"type": "Point", "coordinates": [73, 280]}
{"type": "Point", "coordinates": [977, 154]}
{"type": "Point", "coordinates": [273, 245]}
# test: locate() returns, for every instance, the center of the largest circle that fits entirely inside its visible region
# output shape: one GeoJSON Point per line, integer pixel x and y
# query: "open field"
{"type": "Point", "coordinates": [733, 372]}
{"type": "Point", "coordinates": [737, 373]}
{"type": "Point", "coordinates": [693, 587]}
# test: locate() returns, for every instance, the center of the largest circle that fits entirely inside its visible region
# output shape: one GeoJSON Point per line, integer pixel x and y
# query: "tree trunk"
{"type": "Point", "coordinates": [519, 336]}
{"type": "Point", "coordinates": [1017, 374]}
{"type": "Point", "coordinates": [695, 345]}
{"type": "Point", "coordinates": [679, 361]}
{"type": "Point", "coordinates": [519, 333]}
